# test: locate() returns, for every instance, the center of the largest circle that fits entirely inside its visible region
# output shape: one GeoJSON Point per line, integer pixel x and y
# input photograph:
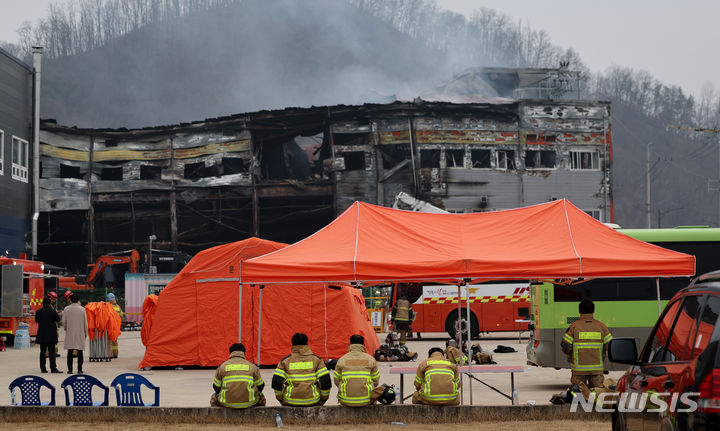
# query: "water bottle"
{"type": "Point", "coordinates": [515, 400]}
{"type": "Point", "coordinates": [278, 420]}
{"type": "Point", "coordinates": [401, 424]}
{"type": "Point", "coordinates": [12, 397]}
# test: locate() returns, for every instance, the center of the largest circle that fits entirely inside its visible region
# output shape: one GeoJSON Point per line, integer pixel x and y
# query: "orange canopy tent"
{"type": "Point", "coordinates": [196, 317]}
{"type": "Point", "coordinates": [555, 240]}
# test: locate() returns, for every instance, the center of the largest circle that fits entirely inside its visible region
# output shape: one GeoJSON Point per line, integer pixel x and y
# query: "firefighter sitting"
{"type": "Point", "coordinates": [437, 381]}
{"type": "Point", "coordinates": [454, 355]}
{"type": "Point", "coordinates": [301, 378]}
{"type": "Point", "coordinates": [237, 382]}
{"type": "Point", "coordinates": [356, 375]}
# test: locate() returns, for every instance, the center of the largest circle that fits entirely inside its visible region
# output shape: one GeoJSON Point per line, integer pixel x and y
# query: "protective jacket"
{"type": "Point", "coordinates": [47, 320]}
{"type": "Point", "coordinates": [585, 341]}
{"type": "Point", "coordinates": [356, 375]}
{"type": "Point", "coordinates": [454, 355]}
{"type": "Point", "coordinates": [74, 320]}
{"type": "Point", "coordinates": [301, 379]}
{"type": "Point", "coordinates": [402, 312]}
{"type": "Point", "coordinates": [238, 383]}
{"type": "Point", "coordinates": [437, 381]}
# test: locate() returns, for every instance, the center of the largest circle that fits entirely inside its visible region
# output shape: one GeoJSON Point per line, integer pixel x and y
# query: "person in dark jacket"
{"type": "Point", "coordinates": [47, 319]}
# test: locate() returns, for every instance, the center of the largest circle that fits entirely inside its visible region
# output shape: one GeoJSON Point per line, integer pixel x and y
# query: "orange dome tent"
{"type": "Point", "coordinates": [196, 318]}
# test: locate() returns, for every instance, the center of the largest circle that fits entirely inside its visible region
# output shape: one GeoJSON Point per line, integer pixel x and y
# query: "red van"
{"type": "Point", "coordinates": [674, 383]}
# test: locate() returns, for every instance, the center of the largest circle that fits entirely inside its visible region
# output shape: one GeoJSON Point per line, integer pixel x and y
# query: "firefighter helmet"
{"type": "Point", "coordinates": [388, 395]}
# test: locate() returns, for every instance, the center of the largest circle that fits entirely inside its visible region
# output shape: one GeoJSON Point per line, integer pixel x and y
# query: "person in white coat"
{"type": "Point", "coordinates": [74, 320]}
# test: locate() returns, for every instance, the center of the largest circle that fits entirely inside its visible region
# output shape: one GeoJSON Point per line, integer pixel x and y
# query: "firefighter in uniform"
{"type": "Point", "coordinates": [437, 381]}
{"type": "Point", "coordinates": [301, 378]}
{"type": "Point", "coordinates": [453, 354]}
{"type": "Point", "coordinates": [585, 343]}
{"type": "Point", "coordinates": [237, 382]}
{"type": "Point", "coordinates": [402, 315]}
{"type": "Point", "coordinates": [356, 375]}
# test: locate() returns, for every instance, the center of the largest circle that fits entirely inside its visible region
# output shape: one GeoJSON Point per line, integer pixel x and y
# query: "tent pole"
{"type": "Point", "coordinates": [240, 291]}
{"type": "Point", "coordinates": [459, 331]}
{"type": "Point", "coordinates": [259, 326]}
{"type": "Point", "coordinates": [657, 289]}
{"type": "Point", "coordinates": [467, 304]}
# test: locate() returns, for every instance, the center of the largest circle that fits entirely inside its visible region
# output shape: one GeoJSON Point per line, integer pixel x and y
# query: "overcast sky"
{"type": "Point", "coordinates": [675, 41]}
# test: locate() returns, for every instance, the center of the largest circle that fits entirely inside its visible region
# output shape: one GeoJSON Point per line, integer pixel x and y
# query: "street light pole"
{"type": "Point", "coordinates": [149, 268]}
{"type": "Point", "coordinates": [647, 188]}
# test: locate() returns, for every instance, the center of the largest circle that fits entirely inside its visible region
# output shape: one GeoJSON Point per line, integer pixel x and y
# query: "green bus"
{"type": "Point", "coordinates": [628, 306]}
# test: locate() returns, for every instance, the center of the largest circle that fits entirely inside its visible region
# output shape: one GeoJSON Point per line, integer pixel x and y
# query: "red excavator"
{"type": "Point", "coordinates": [107, 271]}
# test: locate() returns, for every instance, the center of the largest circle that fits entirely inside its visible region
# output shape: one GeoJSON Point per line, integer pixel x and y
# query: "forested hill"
{"type": "Point", "coordinates": [241, 58]}
{"type": "Point", "coordinates": [136, 63]}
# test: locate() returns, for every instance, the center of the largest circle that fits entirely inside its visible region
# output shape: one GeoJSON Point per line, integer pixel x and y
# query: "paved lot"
{"type": "Point", "coordinates": [192, 387]}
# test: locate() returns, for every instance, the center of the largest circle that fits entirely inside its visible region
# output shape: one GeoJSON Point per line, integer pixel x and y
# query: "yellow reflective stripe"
{"type": "Point", "coordinates": [301, 365]}
{"type": "Point", "coordinates": [321, 372]}
{"type": "Point", "coordinates": [587, 345]}
{"type": "Point", "coordinates": [607, 338]}
{"type": "Point", "coordinates": [248, 379]}
{"type": "Point", "coordinates": [302, 401]}
{"type": "Point", "coordinates": [568, 338]}
{"type": "Point", "coordinates": [259, 381]}
{"type": "Point", "coordinates": [216, 382]}
{"type": "Point", "coordinates": [301, 377]}
{"type": "Point", "coordinates": [417, 379]}
{"type": "Point", "coordinates": [280, 373]}
{"type": "Point", "coordinates": [240, 405]}
{"type": "Point", "coordinates": [237, 367]}
{"type": "Point", "coordinates": [356, 373]}
{"type": "Point", "coordinates": [434, 362]}
{"type": "Point", "coordinates": [589, 335]}
{"type": "Point", "coordinates": [336, 374]}
{"type": "Point", "coordinates": [439, 371]}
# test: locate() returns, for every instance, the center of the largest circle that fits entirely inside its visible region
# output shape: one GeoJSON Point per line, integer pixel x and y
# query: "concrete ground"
{"type": "Point", "coordinates": [193, 387]}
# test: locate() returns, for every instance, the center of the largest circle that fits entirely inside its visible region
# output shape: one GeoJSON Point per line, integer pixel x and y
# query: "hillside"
{"type": "Point", "coordinates": [247, 57]}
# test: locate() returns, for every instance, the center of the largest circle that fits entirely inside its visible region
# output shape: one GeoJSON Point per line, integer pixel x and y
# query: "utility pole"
{"type": "Point", "coordinates": [647, 187]}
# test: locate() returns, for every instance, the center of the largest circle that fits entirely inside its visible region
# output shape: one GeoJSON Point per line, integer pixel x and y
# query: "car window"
{"type": "Point", "coordinates": [708, 320]}
{"type": "Point", "coordinates": [683, 336]}
{"type": "Point", "coordinates": [657, 347]}
{"type": "Point", "coordinates": [683, 329]}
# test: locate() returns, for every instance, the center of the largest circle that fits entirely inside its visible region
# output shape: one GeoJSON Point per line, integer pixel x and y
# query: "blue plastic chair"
{"type": "Point", "coordinates": [30, 390]}
{"type": "Point", "coordinates": [82, 386]}
{"type": "Point", "coordinates": [127, 390]}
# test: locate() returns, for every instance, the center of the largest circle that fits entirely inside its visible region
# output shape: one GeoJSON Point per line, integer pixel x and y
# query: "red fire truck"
{"type": "Point", "coordinates": [497, 306]}
{"type": "Point", "coordinates": [22, 289]}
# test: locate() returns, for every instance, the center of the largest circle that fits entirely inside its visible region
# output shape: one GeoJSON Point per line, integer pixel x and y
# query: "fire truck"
{"type": "Point", "coordinates": [496, 306]}
{"type": "Point", "coordinates": [22, 289]}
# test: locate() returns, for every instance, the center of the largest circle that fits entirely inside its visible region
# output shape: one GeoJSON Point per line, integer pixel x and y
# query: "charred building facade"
{"type": "Point", "coordinates": [284, 174]}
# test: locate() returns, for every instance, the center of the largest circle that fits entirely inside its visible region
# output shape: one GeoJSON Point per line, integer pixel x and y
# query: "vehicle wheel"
{"type": "Point", "coordinates": [451, 324]}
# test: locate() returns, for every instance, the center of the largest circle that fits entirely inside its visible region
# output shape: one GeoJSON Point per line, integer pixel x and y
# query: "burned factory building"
{"type": "Point", "coordinates": [284, 174]}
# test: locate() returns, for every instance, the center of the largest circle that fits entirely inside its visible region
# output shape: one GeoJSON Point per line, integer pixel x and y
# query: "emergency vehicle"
{"type": "Point", "coordinates": [494, 307]}
{"type": "Point", "coordinates": [22, 289]}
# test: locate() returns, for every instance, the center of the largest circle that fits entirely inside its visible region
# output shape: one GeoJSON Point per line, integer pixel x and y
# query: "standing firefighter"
{"type": "Point", "coordinates": [356, 375]}
{"type": "Point", "coordinates": [118, 310]}
{"type": "Point", "coordinates": [301, 378]}
{"type": "Point", "coordinates": [402, 315]}
{"type": "Point", "coordinates": [585, 343]}
{"type": "Point", "coordinates": [237, 382]}
{"type": "Point", "coordinates": [437, 381]}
